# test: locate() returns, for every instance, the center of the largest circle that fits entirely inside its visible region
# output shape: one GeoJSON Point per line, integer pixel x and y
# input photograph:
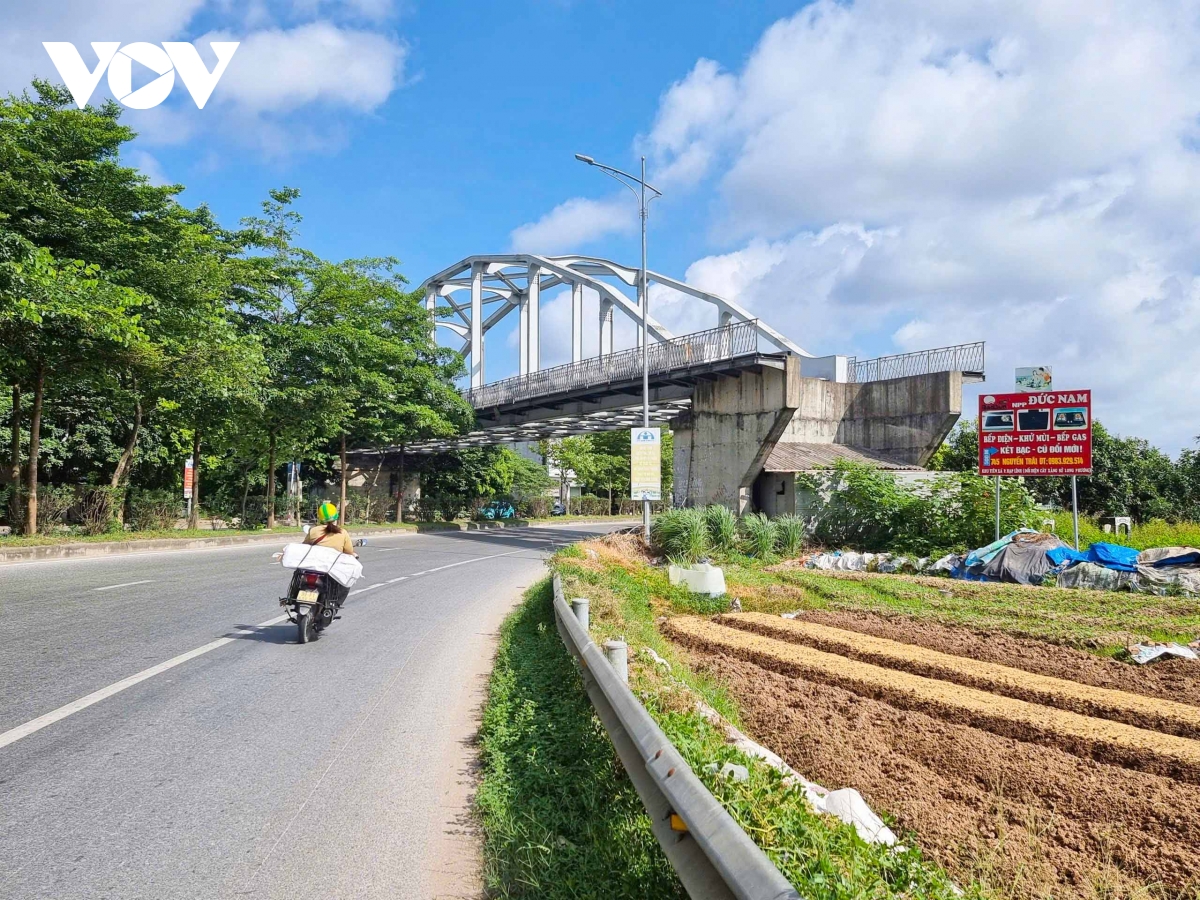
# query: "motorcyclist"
{"type": "Point", "coordinates": [330, 534]}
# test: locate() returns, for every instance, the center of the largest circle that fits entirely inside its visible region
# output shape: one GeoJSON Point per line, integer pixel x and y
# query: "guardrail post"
{"type": "Point", "coordinates": [617, 654]}
{"type": "Point", "coordinates": [579, 606]}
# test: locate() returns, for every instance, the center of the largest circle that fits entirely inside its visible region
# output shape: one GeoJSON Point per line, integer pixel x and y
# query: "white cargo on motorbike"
{"type": "Point", "coordinates": [341, 567]}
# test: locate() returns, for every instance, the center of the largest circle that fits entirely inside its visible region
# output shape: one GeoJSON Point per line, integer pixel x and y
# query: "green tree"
{"type": "Point", "coordinates": [61, 319]}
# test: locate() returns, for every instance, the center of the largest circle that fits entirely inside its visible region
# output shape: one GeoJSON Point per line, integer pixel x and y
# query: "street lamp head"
{"type": "Point", "coordinates": [586, 159]}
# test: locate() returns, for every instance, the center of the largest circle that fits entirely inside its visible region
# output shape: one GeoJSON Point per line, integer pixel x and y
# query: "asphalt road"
{"type": "Point", "coordinates": [253, 766]}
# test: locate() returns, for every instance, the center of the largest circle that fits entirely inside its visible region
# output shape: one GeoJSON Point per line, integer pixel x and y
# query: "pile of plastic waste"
{"type": "Point", "coordinates": [1030, 557]}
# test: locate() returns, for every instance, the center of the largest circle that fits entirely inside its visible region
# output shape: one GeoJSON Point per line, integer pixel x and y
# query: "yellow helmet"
{"type": "Point", "coordinates": [327, 512]}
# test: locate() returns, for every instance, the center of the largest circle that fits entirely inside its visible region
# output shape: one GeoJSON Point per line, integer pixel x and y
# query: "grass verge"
{"type": "Point", "coordinates": [561, 820]}
{"type": "Point", "coordinates": [1099, 621]}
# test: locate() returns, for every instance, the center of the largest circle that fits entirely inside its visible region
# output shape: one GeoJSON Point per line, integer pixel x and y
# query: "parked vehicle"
{"type": "Point", "coordinates": [559, 509]}
{"type": "Point", "coordinates": [499, 509]}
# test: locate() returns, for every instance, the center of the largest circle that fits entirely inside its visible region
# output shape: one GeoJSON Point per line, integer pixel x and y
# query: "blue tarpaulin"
{"type": "Point", "coordinates": [1113, 556]}
{"type": "Point", "coordinates": [1060, 555]}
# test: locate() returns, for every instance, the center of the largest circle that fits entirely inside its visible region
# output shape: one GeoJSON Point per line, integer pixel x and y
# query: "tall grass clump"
{"type": "Point", "coordinates": [789, 535]}
{"type": "Point", "coordinates": [722, 527]}
{"type": "Point", "coordinates": [759, 535]}
{"type": "Point", "coordinates": [680, 534]}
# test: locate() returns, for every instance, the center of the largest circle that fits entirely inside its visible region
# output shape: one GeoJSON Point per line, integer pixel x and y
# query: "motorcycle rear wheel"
{"type": "Point", "coordinates": [306, 628]}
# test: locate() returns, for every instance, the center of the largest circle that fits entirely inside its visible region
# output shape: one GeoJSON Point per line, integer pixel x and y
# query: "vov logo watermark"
{"type": "Point", "coordinates": [171, 57]}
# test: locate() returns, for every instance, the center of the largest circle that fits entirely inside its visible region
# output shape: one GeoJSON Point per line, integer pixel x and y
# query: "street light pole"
{"type": "Point", "coordinates": [643, 288]}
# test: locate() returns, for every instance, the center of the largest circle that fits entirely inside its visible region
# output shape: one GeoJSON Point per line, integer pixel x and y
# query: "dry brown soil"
{"type": "Point", "coordinates": [1031, 800]}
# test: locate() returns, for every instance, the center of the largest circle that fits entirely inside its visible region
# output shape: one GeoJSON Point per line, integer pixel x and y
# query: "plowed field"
{"type": "Point", "coordinates": [1036, 783]}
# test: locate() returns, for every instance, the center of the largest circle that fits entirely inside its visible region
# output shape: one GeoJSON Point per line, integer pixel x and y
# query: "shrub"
{"type": "Point", "coordinates": [722, 528]}
{"type": "Point", "coordinates": [861, 507]}
{"type": "Point", "coordinates": [789, 537]}
{"type": "Point", "coordinates": [157, 510]}
{"type": "Point", "coordinates": [53, 505]}
{"type": "Point", "coordinates": [680, 534]}
{"type": "Point", "coordinates": [758, 533]}
{"type": "Point", "coordinates": [98, 509]}
{"type": "Point", "coordinates": [534, 508]}
{"type": "Point", "coordinates": [427, 509]}
{"type": "Point", "coordinates": [591, 506]}
{"type": "Point", "coordinates": [449, 507]}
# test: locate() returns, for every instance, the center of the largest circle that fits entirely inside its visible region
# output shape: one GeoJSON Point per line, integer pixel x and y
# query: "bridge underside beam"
{"type": "Point", "coordinates": [662, 412]}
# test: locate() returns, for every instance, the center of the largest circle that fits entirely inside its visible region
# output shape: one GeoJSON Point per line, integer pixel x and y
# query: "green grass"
{"type": "Point", "coordinates": [1100, 621]}
{"type": "Point", "coordinates": [1155, 533]}
{"type": "Point", "coordinates": [559, 817]}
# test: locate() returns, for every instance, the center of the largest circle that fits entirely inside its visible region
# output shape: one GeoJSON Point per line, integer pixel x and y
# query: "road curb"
{"type": "Point", "coordinates": [85, 549]}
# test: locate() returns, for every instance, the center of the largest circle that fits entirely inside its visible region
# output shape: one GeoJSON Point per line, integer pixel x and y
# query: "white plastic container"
{"type": "Point", "coordinates": [701, 578]}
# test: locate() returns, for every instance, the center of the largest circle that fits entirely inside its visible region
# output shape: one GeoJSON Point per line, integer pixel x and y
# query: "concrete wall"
{"type": "Point", "coordinates": [735, 422]}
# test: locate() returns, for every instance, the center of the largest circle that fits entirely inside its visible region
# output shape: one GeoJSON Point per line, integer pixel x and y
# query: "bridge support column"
{"type": "Point", "coordinates": [724, 319]}
{"type": "Point", "coordinates": [431, 307]}
{"type": "Point", "coordinates": [576, 322]}
{"type": "Point", "coordinates": [606, 327]}
{"type": "Point", "coordinates": [523, 333]}
{"type": "Point", "coordinates": [533, 301]}
{"type": "Point", "coordinates": [477, 325]}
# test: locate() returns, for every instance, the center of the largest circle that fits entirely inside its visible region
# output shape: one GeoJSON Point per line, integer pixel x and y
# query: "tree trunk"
{"type": "Point", "coordinates": [35, 440]}
{"type": "Point", "coordinates": [400, 489]}
{"type": "Point", "coordinates": [271, 483]}
{"type": "Point", "coordinates": [342, 496]}
{"type": "Point", "coordinates": [125, 463]}
{"type": "Point", "coordinates": [194, 518]}
{"type": "Point", "coordinates": [14, 502]}
{"type": "Point", "coordinates": [245, 496]}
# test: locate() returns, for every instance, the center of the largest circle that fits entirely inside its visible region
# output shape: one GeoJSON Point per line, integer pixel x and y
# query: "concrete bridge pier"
{"type": "Point", "coordinates": [748, 434]}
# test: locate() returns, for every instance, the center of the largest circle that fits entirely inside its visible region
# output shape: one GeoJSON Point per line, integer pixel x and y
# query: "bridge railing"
{"type": "Point", "coordinates": [959, 358]}
{"type": "Point", "coordinates": [677, 354]}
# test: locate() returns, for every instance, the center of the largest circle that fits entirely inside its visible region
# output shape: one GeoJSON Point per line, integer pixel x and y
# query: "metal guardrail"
{"type": "Point", "coordinates": [959, 358]}
{"type": "Point", "coordinates": [677, 354]}
{"type": "Point", "coordinates": [713, 857]}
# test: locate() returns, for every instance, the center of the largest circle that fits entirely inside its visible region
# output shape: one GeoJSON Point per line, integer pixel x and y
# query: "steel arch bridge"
{"type": "Point", "coordinates": [500, 285]}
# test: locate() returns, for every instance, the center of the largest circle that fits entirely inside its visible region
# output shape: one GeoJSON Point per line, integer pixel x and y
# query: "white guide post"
{"type": "Point", "coordinates": [534, 303]}
{"type": "Point", "coordinates": [576, 322]}
{"type": "Point", "coordinates": [477, 325]}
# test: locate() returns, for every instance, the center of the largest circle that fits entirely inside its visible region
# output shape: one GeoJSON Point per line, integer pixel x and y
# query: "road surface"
{"type": "Point", "coordinates": [162, 736]}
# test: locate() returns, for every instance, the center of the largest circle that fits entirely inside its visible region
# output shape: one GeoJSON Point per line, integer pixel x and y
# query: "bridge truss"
{"type": "Point", "coordinates": [482, 291]}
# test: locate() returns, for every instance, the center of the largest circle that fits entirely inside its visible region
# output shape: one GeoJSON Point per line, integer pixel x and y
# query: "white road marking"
{"type": "Point", "coordinates": [113, 587]}
{"type": "Point", "coordinates": [21, 731]}
{"type": "Point", "coordinates": [15, 734]}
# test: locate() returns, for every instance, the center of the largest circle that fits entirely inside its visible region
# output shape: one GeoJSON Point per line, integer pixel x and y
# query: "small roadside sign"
{"type": "Point", "coordinates": [188, 474]}
{"type": "Point", "coordinates": [645, 464]}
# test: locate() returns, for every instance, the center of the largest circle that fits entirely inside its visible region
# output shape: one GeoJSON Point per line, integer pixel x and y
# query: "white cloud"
{"type": "Point", "coordinates": [275, 74]}
{"type": "Point", "coordinates": [571, 225]}
{"type": "Point", "coordinates": [148, 166]}
{"type": "Point", "coordinates": [275, 70]}
{"type": "Point", "coordinates": [895, 174]}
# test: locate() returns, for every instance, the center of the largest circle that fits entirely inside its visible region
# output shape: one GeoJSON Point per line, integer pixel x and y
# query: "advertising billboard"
{"type": "Point", "coordinates": [1035, 433]}
{"type": "Point", "coordinates": [1035, 378]}
{"type": "Point", "coordinates": [645, 464]}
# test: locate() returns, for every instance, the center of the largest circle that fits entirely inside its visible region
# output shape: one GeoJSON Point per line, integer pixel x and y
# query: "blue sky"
{"type": "Point", "coordinates": [870, 176]}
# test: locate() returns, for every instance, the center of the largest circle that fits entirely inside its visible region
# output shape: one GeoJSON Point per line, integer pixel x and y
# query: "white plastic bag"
{"type": "Point", "coordinates": [341, 567]}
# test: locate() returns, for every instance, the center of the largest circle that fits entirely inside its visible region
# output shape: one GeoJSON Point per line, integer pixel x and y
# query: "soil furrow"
{"type": "Point", "coordinates": [1143, 712]}
{"type": "Point", "coordinates": [1107, 741]}
{"type": "Point", "coordinates": [1028, 821]}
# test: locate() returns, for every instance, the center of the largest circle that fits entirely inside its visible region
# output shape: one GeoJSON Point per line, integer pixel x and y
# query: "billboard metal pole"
{"type": "Point", "coordinates": [997, 507]}
{"type": "Point", "coordinates": [1075, 509]}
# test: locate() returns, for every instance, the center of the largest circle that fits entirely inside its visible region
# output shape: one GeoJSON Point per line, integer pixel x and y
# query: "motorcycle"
{"type": "Point", "coordinates": [319, 586]}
